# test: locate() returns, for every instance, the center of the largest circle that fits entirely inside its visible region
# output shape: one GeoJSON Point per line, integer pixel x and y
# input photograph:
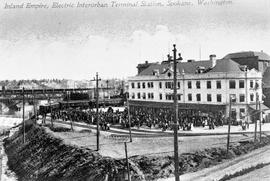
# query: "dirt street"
{"type": "Point", "coordinates": [114, 147]}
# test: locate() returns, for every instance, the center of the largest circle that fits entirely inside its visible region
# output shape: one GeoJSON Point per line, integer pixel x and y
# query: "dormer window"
{"type": "Point", "coordinates": [156, 72]}
{"type": "Point", "coordinates": [200, 69]}
{"type": "Point", "coordinates": [169, 74]}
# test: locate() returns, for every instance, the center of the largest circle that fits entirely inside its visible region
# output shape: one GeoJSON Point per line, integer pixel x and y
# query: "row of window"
{"type": "Point", "coordinates": [143, 96]}
{"type": "Point", "coordinates": [149, 85]}
{"type": "Point", "coordinates": [169, 85]}
{"type": "Point", "coordinates": [170, 97]}
{"type": "Point", "coordinates": [190, 97]}
{"type": "Point", "coordinates": [208, 84]}
{"type": "Point", "coordinates": [209, 97]}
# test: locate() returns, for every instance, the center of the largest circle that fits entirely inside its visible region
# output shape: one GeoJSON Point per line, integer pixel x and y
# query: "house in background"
{"type": "Point", "coordinates": [257, 60]}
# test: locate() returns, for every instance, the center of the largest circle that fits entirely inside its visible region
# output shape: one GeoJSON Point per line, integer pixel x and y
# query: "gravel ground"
{"type": "Point", "coordinates": [145, 146]}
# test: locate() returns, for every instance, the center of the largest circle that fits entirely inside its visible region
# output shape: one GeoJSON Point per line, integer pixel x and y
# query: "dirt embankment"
{"type": "Point", "coordinates": [44, 157]}
{"type": "Point", "coordinates": [160, 166]}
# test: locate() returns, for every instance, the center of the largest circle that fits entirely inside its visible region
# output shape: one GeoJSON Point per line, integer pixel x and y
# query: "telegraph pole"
{"type": "Point", "coordinates": [97, 104]}
{"type": "Point", "coordinates": [34, 105]}
{"type": "Point", "coordinates": [229, 125]}
{"type": "Point", "coordinates": [176, 159]}
{"type": "Point", "coordinates": [256, 117]}
{"type": "Point", "coordinates": [260, 106]}
{"type": "Point", "coordinates": [23, 117]}
{"type": "Point", "coordinates": [69, 117]}
{"type": "Point", "coordinates": [128, 171]}
{"type": "Point", "coordinates": [129, 122]}
{"type": "Point", "coordinates": [51, 112]}
{"type": "Point", "coordinates": [108, 92]}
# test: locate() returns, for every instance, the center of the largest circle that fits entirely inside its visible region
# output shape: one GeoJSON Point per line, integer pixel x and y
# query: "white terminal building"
{"type": "Point", "coordinates": [205, 86]}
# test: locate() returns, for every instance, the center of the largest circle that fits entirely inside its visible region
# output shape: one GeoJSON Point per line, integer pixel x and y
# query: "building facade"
{"type": "Point", "coordinates": [259, 61]}
{"type": "Point", "coordinates": [205, 86]}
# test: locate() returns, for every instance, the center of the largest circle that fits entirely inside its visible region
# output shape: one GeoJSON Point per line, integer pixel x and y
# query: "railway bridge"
{"type": "Point", "coordinates": [12, 97]}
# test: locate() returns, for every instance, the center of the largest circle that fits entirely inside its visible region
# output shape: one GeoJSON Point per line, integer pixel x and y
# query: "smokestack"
{"type": "Point", "coordinates": [213, 59]}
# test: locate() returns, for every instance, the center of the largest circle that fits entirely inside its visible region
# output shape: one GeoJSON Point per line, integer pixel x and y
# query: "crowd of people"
{"type": "Point", "coordinates": [164, 118]}
{"type": "Point", "coordinates": [89, 116]}
{"type": "Point", "coordinates": [140, 116]}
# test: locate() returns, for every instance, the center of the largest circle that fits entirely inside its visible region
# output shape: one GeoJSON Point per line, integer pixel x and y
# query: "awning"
{"type": "Point", "coordinates": [263, 107]}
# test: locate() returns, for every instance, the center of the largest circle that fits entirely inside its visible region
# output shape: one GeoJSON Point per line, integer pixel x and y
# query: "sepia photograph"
{"type": "Point", "coordinates": [134, 90]}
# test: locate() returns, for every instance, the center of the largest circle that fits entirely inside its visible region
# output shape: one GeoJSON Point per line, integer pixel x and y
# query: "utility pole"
{"type": "Point", "coordinates": [23, 117]}
{"type": "Point", "coordinates": [122, 88]}
{"type": "Point", "coordinates": [260, 106]}
{"type": "Point", "coordinates": [103, 93]}
{"type": "Point", "coordinates": [246, 92]}
{"type": "Point", "coordinates": [176, 159]}
{"type": "Point", "coordinates": [229, 125]}
{"type": "Point", "coordinates": [108, 92]}
{"type": "Point", "coordinates": [34, 105]}
{"type": "Point", "coordinates": [97, 104]}
{"type": "Point", "coordinates": [51, 111]}
{"type": "Point", "coordinates": [129, 121]}
{"type": "Point", "coordinates": [128, 171]}
{"type": "Point", "coordinates": [71, 122]}
{"type": "Point", "coordinates": [256, 117]}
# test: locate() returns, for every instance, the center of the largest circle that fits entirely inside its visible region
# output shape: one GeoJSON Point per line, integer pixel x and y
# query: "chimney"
{"type": "Point", "coordinates": [213, 59]}
{"type": "Point", "coordinates": [143, 66]}
{"type": "Point", "coordinates": [169, 57]}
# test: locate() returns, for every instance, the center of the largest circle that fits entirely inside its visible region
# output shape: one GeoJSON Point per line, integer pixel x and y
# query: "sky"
{"type": "Point", "coordinates": [75, 43]}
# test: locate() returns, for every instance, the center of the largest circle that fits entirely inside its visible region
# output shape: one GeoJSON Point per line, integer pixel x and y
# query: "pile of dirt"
{"type": "Point", "coordinates": [159, 166]}
{"type": "Point", "coordinates": [44, 157]}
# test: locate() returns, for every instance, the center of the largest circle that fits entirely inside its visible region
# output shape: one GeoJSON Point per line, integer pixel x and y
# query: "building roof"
{"type": "Point", "coordinates": [226, 65]}
{"type": "Point", "coordinates": [245, 54]}
{"type": "Point", "coordinates": [222, 65]}
{"type": "Point", "coordinates": [188, 67]}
